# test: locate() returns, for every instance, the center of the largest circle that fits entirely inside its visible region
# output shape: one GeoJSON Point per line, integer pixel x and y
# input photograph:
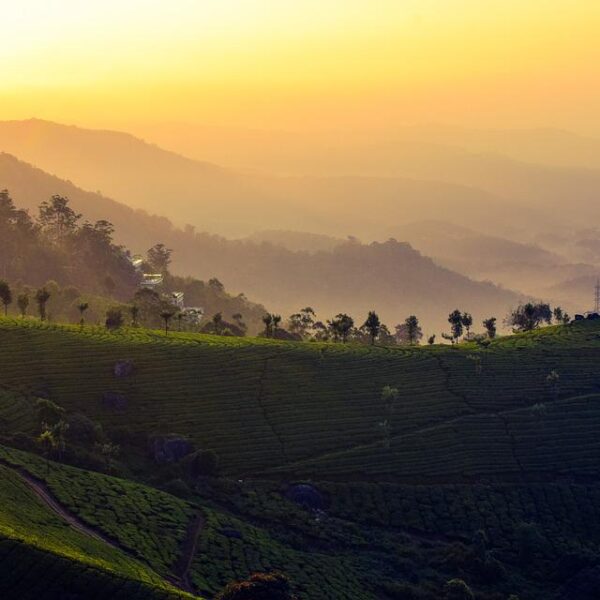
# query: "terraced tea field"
{"type": "Point", "coordinates": [43, 556]}
{"type": "Point", "coordinates": [315, 409]}
{"type": "Point", "coordinates": [318, 406]}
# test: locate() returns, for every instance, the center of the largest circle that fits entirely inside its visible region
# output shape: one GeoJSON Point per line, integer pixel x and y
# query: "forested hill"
{"type": "Point", "coordinates": [354, 278]}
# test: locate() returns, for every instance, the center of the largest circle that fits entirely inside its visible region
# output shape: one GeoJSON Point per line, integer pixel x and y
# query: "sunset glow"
{"type": "Point", "coordinates": [390, 62]}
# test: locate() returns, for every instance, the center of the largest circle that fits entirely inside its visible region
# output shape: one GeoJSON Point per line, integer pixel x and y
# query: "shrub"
{"type": "Point", "coordinates": [457, 589]}
{"type": "Point", "coordinates": [259, 586]}
{"type": "Point", "coordinates": [114, 318]}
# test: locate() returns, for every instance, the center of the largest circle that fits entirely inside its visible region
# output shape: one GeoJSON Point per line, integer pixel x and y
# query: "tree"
{"type": "Point", "coordinates": [179, 317]}
{"type": "Point", "coordinates": [159, 258]}
{"type": "Point", "coordinates": [455, 318]}
{"type": "Point", "coordinates": [82, 307]}
{"type": "Point", "coordinates": [5, 295]}
{"type": "Point", "coordinates": [135, 311]}
{"type": "Point", "coordinates": [218, 323]}
{"type": "Point", "coordinates": [41, 297]}
{"type": "Point", "coordinates": [23, 303]}
{"type": "Point", "coordinates": [457, 589]}
{"type": "Point", "coordinates": [341, 326]}
{"type": "Point", "coordinates": [372, 325]}
{"type": "Point", "coordinates": [166, 316]}
{"type": "Point", "coordinates": [431, 340]}
{"type": "Point", "coordinates": [114, 319]}
{"type": "Point", "coordinates": [276, 321]}
{"type": "Point", "coordinates": [238, 320]}
{"type": "Point", "coordinates": [529, 316]}
{"type": "Point", "coordinates": [48, 443]}
{"type": "Point", "coordinates": [268, 321]}
{"type": "Point", "coordinates": [558, 314]}
{"type": "Point", "coordinates": [216, 285]}
{"type": "Point", "coordinates": [467, 321]}
{"type": "Point", "coordinates": [409, 332]}
{"type": "Point", "coordinates": [302, 322]}
{"type": "Point", "coordinates": [109, 452]}
{"type": "Point", "coordinates": [259, 586]}
{"type": "Point", "coordinates": [48, 412]}
{"type": "Point", "coordinates": [490, 327]}
{"type": "Point", "coordinates": [57, 219]}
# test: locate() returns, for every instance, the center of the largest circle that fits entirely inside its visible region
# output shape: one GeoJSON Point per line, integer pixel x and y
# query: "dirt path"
{"type": "Point", "coordinates": [188, 550]}
{"type": "Point", "coordinates": [41, 490]}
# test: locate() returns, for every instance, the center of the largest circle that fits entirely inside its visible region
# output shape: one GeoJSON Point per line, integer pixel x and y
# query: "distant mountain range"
{"type": "Point", "coordinates": [391, 277]}
{"type": "Point", "coordinates": [431, 184]}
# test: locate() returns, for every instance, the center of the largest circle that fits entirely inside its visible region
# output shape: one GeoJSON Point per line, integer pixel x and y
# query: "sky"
{"type": "Point", "coordinates": [302, 65]}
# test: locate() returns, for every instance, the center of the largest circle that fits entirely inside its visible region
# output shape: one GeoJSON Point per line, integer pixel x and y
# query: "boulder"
{"type": "Point", "coordinates": [114, 400]}
{"type": "Point", "coordinates": [168, 449]}
{"type": "Point", "coordinates": [306, 496]}
{"type": "Point", "coordinates": [123, 368]}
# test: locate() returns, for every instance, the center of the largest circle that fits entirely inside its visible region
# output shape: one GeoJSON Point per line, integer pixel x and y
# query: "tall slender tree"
{"type": "Point", "coordinates": [41, 297]}
{"type": "Point", "coordinates": [5, 295]}
{"type": "Point", "coordinates": [372, 325]}
{"type": "Point", "coordinates": [166, 316]}
{"type": "Point", "coordinates": [82, 307]}
{"type": "Point", "coordinates": [23, 303]}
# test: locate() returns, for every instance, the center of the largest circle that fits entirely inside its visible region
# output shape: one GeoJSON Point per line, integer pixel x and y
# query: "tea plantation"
{"type": "Point", "coordinates": [486, 469]}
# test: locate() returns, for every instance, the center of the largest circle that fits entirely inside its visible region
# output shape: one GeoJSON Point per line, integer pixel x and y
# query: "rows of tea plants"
{"type": "Point", "coordinates": [30, 528]}
{"type": "Point", "coordinates": [149, 524]}
{"type": "Point", "coordinates": [230, 549]}
{"type": "Point", "coordinates": [545, 440]}
{"type": "Point", "coordinates": [285, 402]}
{"type": "Point", "coordinates": [564, 516]}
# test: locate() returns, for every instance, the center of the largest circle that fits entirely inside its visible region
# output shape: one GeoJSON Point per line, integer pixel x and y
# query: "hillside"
{"type": "Point", "coordinates": [354, 278]}
{"type": "Point", "coordinates": [144, 176]}
{"type": "Point", "coordinates": [490, 473]}
{"type": "Point", "coordinates": [284, 424]}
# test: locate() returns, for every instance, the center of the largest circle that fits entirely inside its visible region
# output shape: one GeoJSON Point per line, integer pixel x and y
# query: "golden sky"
{"type": "Point", "coordinates": [308, 64]}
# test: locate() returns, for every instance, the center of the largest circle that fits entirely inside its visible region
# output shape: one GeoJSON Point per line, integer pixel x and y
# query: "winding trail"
{"type": "Point", "coordinates": [182, 568]}
{"type": "Point", "coordinates": [188, 551]}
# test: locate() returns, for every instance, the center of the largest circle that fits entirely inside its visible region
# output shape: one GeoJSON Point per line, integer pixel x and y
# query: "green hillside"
{"type": "Point", "coordinates": [488, 471]}
{"type": "Point", "coordinates": [315, 408]}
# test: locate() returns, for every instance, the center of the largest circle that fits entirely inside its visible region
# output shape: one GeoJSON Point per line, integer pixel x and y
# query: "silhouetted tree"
{"type": "Point", "coordinates": [467, 321]}
{"type": "Point", "coordinates": [372, 325]}
{"type": "Point", "coordinates": [179, 320]}
{"type": "Point", "coordinates": [409, 332]}
{"type": "Point", "coordinates": [341, 326]}
{"type": "Point", "coordinates": [159, 258]}
{"type": "Point", "coordinates": [23, 303]}
{"type": "Point", "coordinates": [217, 321]}
{"type": "Point", "coordinates": [490, 327]}
{"type": "Point", "coordinates": [114, 318]}
{"type": "Point", "coordinates": [135, 311]}
{"type": "Point", "coordinates": [5, 295]}
{"type": "Point", "coordinates": [82, 307]}
{"type": "Point", "coordinates": [166, 316]}
{"type": "Point", "coordinates": [431, 340]}
{"type": "Point", "coordinates": [268, 321]}
{"type": "Point", "coordinates": [455, 318]}
{"type": "Point", "coordinates": [48, 443]}
{"type": "Point", "coordinates": [276, 321]}
{"type": "Point", "coordinates": [238, 319]}
{"type": "Point", "coordinates": [216, 285]}
{"type": "Point", "coordinates": [302, 323]}
{"type": "Point", "coordinates": [56, 218]}
{"type": "Point", "coordinates": [529, 316]}
{"type": "Point", "coordinates": [41, 297]}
